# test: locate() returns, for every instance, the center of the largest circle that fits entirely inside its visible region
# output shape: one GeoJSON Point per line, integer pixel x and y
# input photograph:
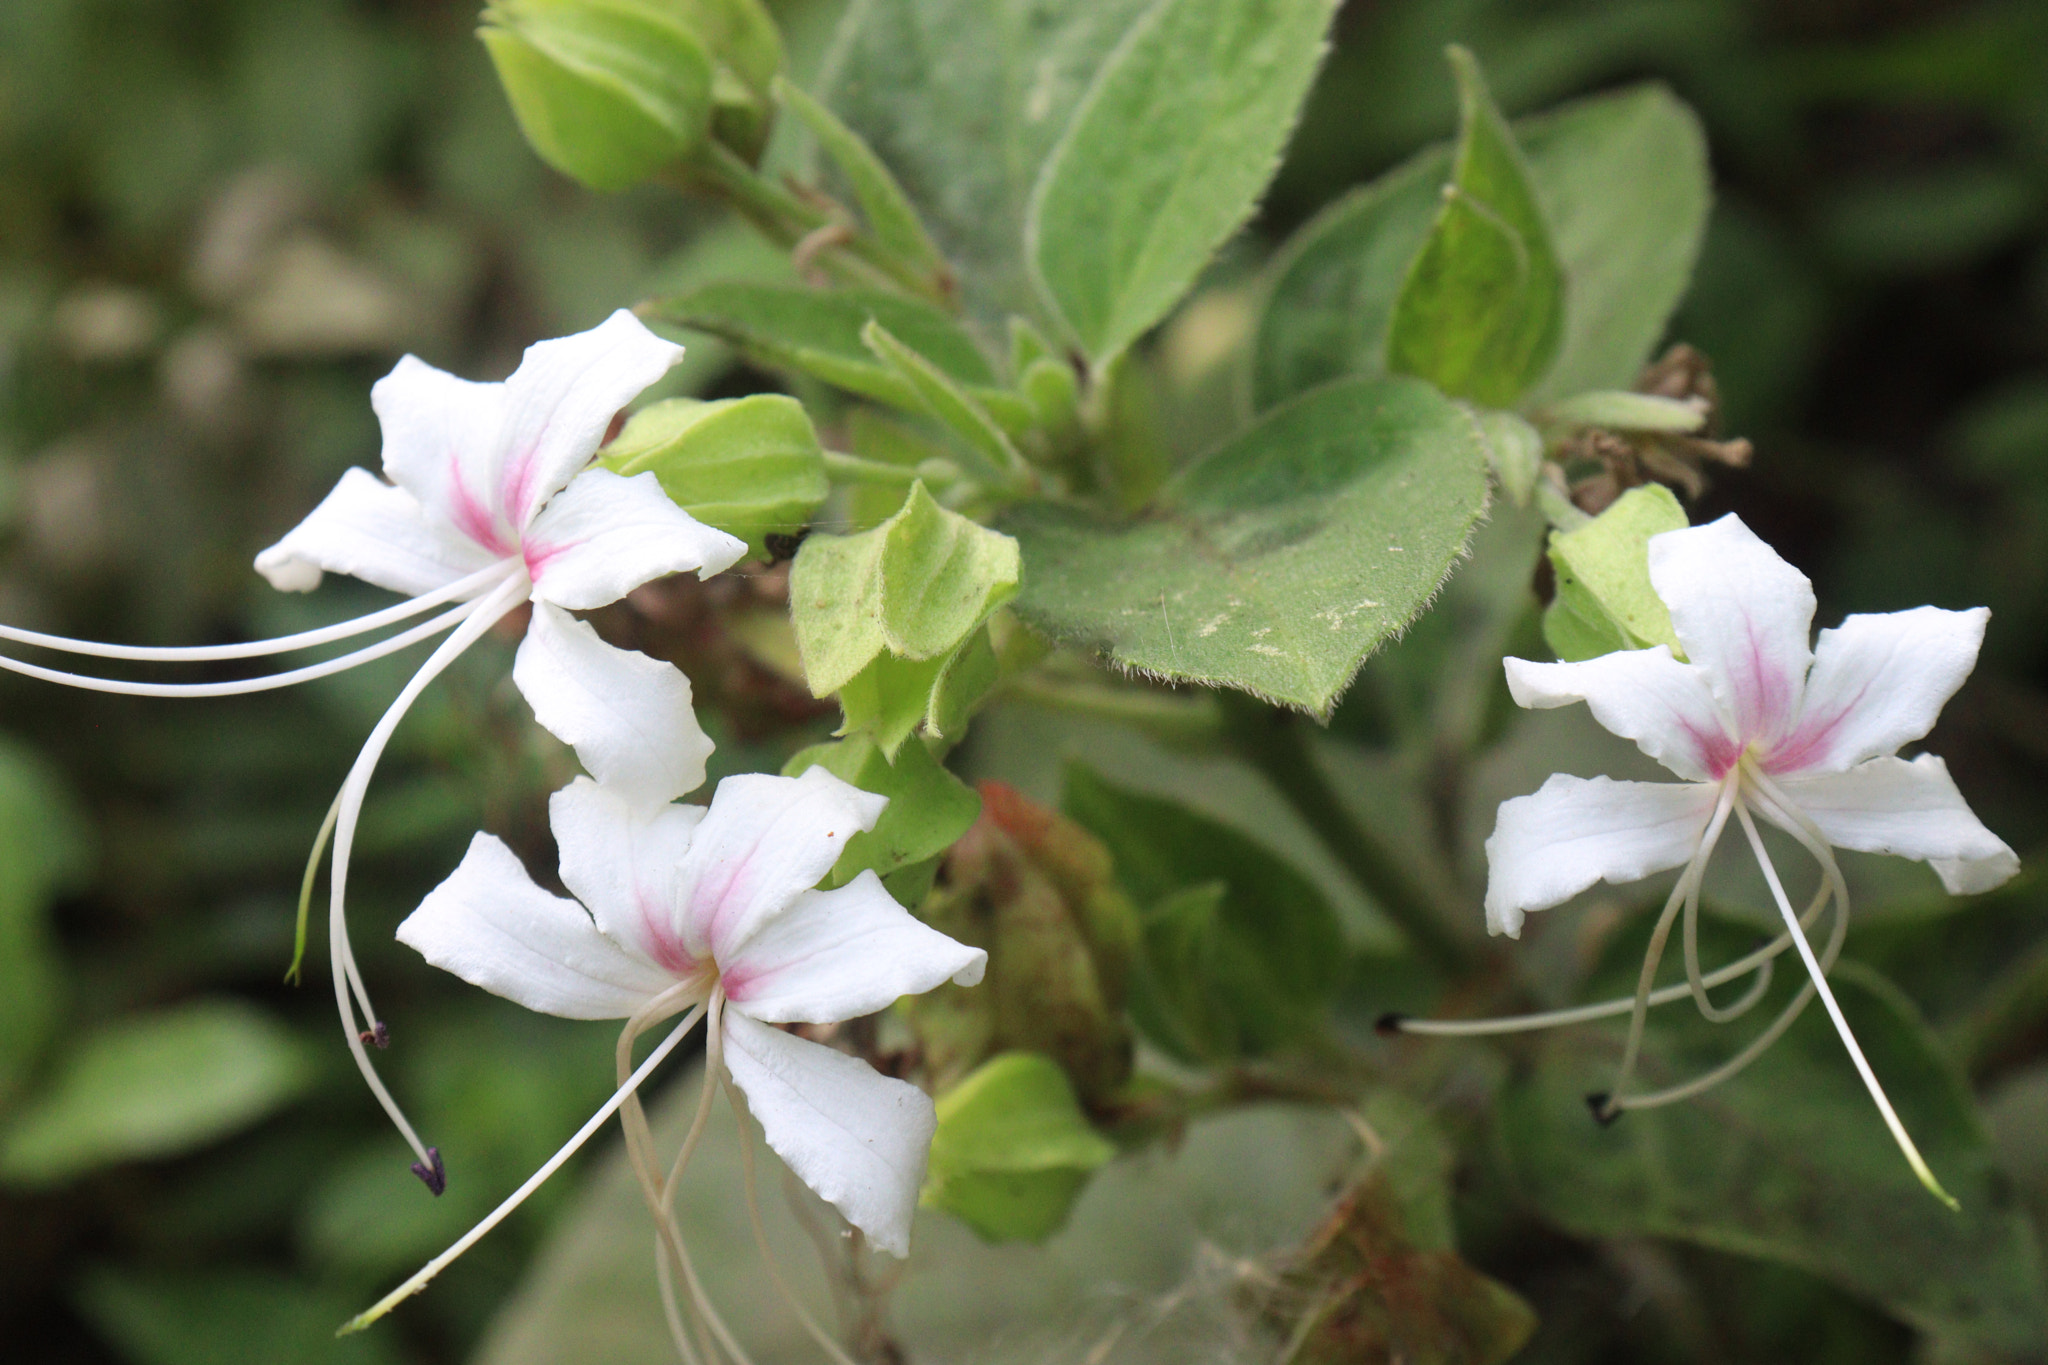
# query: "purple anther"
{"type": "Point", "coordinates": [434, 1177]}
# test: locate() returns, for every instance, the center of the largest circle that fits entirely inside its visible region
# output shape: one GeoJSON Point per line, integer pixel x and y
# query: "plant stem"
{"type": "Point", "coordinates": [1274, 742]}
{"type": "Point", "coordinates": [787, 218]}
{"type": "Point", "coordinates": [845, 468]}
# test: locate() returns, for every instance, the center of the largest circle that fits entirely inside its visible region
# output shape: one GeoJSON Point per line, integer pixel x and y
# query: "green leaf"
{"type": "Point", "coordinates": [1482, 311]}
{"type": "Point", "coordinates": [964, 103]}
{"type": "Point", "coordinates": [928, 807]}
{"type": "Point", "coordinates": [1277, 563]}
{"type": "Point", "coordinates": [750, 466]}
{"type": "Point", "coordinates": [913, 587]}
{"type": "Point", "coordinates": [1242, 952]}
{"type": "Point", "coordinates": [606, 91]}
{"type": "Point", "coordinates": [224, 1317]}
{"type": "Point", "coordinates": [1013, 1149]}
{"type": "Point", "coordinates": [1626, 257]}
{"type": "Point", "coordinates": [1789, 1161]}
{"type": "Point", "coordinates": [1166, 158]}
{"type": "Point", "coordinates": [1603, 575]}
{"type": "Point", "coordinates": [42, 848]}
{"type": "Point", "coordinates": [154, 1086]}
{"type": "Point", "coordinates": [818, 332]}
{"type": "Point", "coordinates": [947, 403]}
{"type": "Point", "coordinates": [890, 216]}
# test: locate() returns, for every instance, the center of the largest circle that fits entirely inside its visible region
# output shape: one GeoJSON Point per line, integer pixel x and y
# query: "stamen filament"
{"type": "Point", "coordinates": [291, 973]}
{"type": "Point", "coordinates": [483, 615]}
{"type": "Point", "coordinates": [1827, 999]}
{"type": "Point", "coordinates": [1758, 1045]}
{"type": "Point", "coordinates": [533, 1182]}
{"type": "Point", "coordinates": [1687, 880]}
{"type": "Point", "coordinates": [283, 644]}
{"type": "Point", "coordinates": [244, 686]}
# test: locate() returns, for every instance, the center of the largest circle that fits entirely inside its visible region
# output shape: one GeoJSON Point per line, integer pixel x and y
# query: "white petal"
{"type": "Point", "coordinates": [1572, 832]}
{"type": "Point", "coordinates": [842, 954]}
{"type": "Point", "coordinates": [491, 926]}
{"type": "Point", "coordinates": [442, 443]}
{"type": "Point", "coordinates": [627, 716]}
{"type": "Point", "coordinates": [624, 861]}
{"type": "Point", "coordinates": [1887, 805]}
{"type": "Point", "coordinates": [1879, 682]}
{"type": "Point", "coordinates": [855, 1136]}
{"type": "Point", "coordinates": [604, 536]}
{"type": "Point", "coordinates": [561, 399]}
{"type": "Point", "coordinates": [765, 842]}
{"type": "Point", "coordinates": [370, 530]}
{"type": "Point", "coordinates": [1645, 695]}
{"type": "Point", "coordinates": [1744, 615]}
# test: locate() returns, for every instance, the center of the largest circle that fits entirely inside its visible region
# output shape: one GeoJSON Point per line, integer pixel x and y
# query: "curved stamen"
{"type": "Point", "coordinates": [1687, 880]}
{"type": "Point", "coordinates": [1760, 1044]}
{"type": "Point", "coordinates": [714, 1063]}
{"type": "Point", "coordinates": [483, 615]}
{"type": "Point", "coordinates": [533, 1182]}
{"type": "Point", "coordinates": [244, 686]}
{"type": "Point", "coordinates": [1827, 998]}
{"type": "Point", "coordinates": [284, 644]}
{"type": "Point", "coordinates": [1695, 981]}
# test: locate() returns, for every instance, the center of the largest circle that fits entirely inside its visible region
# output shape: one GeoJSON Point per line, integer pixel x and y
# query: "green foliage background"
{"type": "Point", "coordinates": [220, 222]}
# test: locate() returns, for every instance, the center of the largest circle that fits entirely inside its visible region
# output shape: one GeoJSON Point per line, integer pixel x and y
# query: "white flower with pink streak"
{"type": "Point", "coordinates": [484, 474]}
{"type": "Point", "coordinates": [1797, 733]}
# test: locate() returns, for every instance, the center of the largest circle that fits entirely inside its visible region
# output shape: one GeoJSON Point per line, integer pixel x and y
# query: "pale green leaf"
{"type": "Point", "coordinates": [913, 587]}
{"type": "Point", "coordinates": [1013, 1149]}
{"type": "Point", "coordinates": [889, 699]}
{"type": "Point", "coordinates": [1790, 1162]}
{"type": "Point", "coordinates": [963, 102]}
{"type": "Point", "coordinates": [1277, 563]}
{"type": "Point", "coordinates": [153, 1086]}
{"type": "Point", "coordinates": [928, 807]}
{"type": "Point", "coordinates": [1482, 311]}
{"type": "Point", "coordinates": [1603, 570]}
{"type": "Point", "coordinates": [750, 466]}
{"type": "Point", "coordinates": [889, 214]}
{"type": "Point", "coordinates": [1627, 257]}
{"type": "Point", "coordinates": [1166, 158]}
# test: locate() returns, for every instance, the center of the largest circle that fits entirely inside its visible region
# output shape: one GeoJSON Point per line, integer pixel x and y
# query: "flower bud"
{"type": "Point", "coordinates": [606, 91]}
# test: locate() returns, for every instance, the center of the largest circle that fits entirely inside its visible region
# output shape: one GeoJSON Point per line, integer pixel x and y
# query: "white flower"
{"type": "Point", "coordinates": [1756, 720]}
{"type": "Point", "coordinates": [1792, 730]}
{"type": "Point", "coordinates": [720, 902]}
{"type": "Point", "coordinates": [485, 475]}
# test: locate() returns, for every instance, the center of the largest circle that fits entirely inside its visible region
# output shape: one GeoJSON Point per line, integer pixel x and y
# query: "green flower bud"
{"type": "Point", "coordinates": [606, 91]}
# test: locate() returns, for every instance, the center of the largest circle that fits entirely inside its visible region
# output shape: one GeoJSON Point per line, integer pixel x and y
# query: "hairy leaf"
{"type": "Point", "coordinates": [964, 103]}
{"type": "Point", "coordinates": [1166, 158]}
{"type": "Point", "coordinates": [1277, 563]}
